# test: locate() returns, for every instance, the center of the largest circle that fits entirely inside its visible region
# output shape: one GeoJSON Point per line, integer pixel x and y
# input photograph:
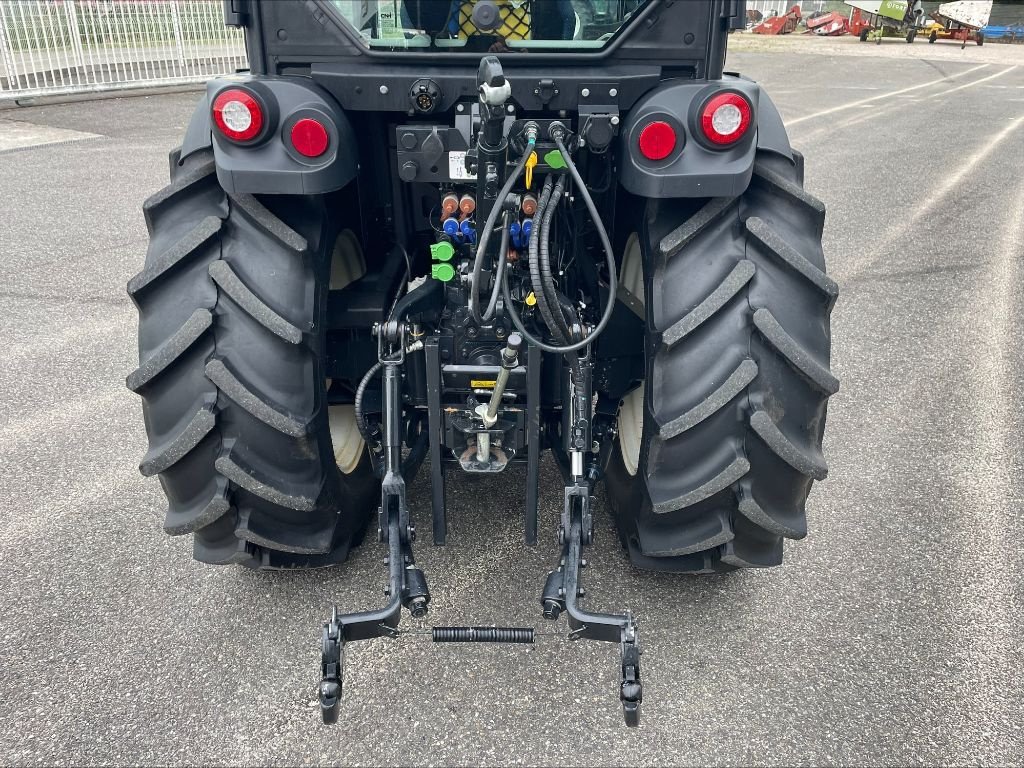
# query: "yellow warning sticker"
{"type": "Point", "coordinates": [482, 384]}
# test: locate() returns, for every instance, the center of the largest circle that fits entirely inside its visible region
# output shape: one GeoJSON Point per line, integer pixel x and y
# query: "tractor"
{"type": "Point", "coordinates": [451, 236]}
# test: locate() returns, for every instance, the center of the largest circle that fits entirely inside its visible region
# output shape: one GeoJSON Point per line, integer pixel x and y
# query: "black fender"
{"type": "Point", "coordinates": [271, 165]}
{"type": "Point", "coordinates": [695, 169]}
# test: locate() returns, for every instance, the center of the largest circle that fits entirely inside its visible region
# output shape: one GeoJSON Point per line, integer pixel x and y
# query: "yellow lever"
{"type": "Point", "coordinates": [531, 161]}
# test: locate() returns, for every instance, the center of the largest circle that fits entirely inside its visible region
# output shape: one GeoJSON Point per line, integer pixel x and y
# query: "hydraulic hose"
{"type": "Point", "coordinates": [549, 199]}
{"type": "Point", "coordinates": [485, 235]}
{"type": "Point", "coordinates": [547, 293]}
{"type": "Point", "coordinates": [361, 424]}
{"type": "Point", "coordinates": [499, 272]}
{"type": "Point", "coordinates": [547, 281]}
{"type": "Point", "coordinates": [613, 279]}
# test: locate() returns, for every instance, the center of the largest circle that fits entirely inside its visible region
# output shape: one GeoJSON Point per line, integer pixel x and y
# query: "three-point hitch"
{"type": "Point", "coordinates": [483, 436]}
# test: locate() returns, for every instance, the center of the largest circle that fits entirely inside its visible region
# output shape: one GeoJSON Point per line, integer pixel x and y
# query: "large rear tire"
{"type": "Point", "coordinates": [232, 304]}
{"type": "Point", "coordinates": [737, 378]}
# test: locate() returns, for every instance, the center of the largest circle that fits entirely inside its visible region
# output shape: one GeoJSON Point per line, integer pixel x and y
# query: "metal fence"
{"type": "Point", "coordinates": [50, 47]}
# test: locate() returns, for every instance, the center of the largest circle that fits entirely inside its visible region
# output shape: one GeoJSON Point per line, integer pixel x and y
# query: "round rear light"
{"type": "Point", "coordinates": [238, 115]}
{"type": "Point", "coordinates": [725, 118]}
{"type": "Point", "coordinates": [657, 140]}
{"type": "Point", "coordinates": [310, 137]}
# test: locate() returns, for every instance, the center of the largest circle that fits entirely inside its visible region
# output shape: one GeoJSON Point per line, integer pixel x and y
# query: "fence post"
{"type": "Point", "coordinates": [179, 36]}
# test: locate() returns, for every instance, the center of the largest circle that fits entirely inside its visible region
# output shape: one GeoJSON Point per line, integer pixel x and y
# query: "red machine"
{"type": "Point", "coordinates": [858, 23]}
{"type": "Point", "coordinates": [830, 24]}
{"type": "Point", "coordinates": [780, 25]}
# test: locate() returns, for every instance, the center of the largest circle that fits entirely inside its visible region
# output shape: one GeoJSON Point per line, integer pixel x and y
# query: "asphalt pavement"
{"type": "Point", "coordinates": [892, 634]}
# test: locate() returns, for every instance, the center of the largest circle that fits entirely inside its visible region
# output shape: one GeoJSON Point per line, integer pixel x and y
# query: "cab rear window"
{"type": "Point", "coordinates": [486, 25]}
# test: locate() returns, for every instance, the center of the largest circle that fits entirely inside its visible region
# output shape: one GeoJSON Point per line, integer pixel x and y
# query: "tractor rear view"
{"type": "Point", "coordinates": [426, 235]}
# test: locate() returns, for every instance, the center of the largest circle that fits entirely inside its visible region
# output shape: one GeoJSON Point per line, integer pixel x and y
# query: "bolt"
{"type": "Point", "coordinates": [613, 92]}
{"type": "Point", "coordinates": [460, 108]}
{"type": "Point", "coordinates": [585, 92]}
{"type": "Point", "coordinates": [500, 332]}
{"type": "Point", "coordinates": [387, 591]}
{"type": "Point", "coordinates": [615, 120]}
{"type": "Point", "coordinates": [387, 561]}
{"type": "Point", "coordinates": [595, 447]}
{"type": "Point", "coordinates": [383, 90]}
{"type": "Point", "coordinates": [583, 563]}
{"type": "Point", "coordinates": [472, 332]}
{"type": "Point", "coordinates": [583, 592]}
{"type": "Point", "coordinates": [510, 109]}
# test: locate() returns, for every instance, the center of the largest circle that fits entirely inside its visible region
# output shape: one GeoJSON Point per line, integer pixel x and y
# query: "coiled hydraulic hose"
{"type": "Point", "coordinates": [552, 309]}
{"type": "Point", "coordinates": [613, 279]}
{"type": "Point", "coordinates": [485, 235]}
{"type": "Point", "coordinates": [549, 200]}
{"type": "Point", "coordinates": [547, 281]}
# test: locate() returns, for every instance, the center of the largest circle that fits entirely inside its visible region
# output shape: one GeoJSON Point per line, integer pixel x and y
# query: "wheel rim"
{"type": "Point", "coordinates": [347, 266]}
{"type": "Point", "coordinates": [348, 443]}
{"type": "Point", "coordinates": [631, 410]}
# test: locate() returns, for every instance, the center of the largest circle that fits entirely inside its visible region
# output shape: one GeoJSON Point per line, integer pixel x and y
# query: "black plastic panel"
{"type": "Point", "coordinates": [696, 170]}
{"type": "Point", "coordinates": [272, 166]}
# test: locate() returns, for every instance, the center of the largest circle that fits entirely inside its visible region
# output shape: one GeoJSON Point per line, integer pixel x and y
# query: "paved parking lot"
{"type": "Point", "coordinates": [893, 634]}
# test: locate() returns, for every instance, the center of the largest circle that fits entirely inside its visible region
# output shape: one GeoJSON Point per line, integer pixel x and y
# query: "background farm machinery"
{"type": "Point", "coordinates": [962, 21]}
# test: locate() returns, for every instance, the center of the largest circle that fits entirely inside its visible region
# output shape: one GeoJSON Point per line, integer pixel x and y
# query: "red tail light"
{"type": "Point", "coordinates": [725, 118]}
{"type": "Point", "coordinates": [657, 140]}
{"type": "Point", "coordinates": [310, 137]}
{"type": "Point", "coordinates": [238, 114]}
